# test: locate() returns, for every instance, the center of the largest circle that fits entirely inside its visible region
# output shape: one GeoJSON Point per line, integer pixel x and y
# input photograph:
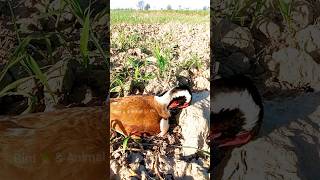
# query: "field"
{"type": "Point", "coordinates": [154, 17]}
{"type": "Point", "coordinates": [152, 51]}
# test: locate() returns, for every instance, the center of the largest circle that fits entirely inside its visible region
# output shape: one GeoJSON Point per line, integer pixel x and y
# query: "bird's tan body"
{"type": "Point", "coordinates": [137, 115]}
{"type": "Point", "coordinates": [66, 144]}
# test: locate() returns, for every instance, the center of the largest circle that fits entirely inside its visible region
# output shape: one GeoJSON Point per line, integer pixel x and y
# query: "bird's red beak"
{"type": "Point", "coordinates": [175, 104]}
{"type": "Point", "coordinates": [240, 139]}
{"type": "Point", "coordinates": [184, 105]}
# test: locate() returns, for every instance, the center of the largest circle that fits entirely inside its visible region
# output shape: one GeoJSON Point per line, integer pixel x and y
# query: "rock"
{"type": "Point", "coordinates": [201, 83]}
{"type": "Point", "coordinates": [206, 74]}
{"type": "Point", "coordinates": [302, 14]}
{"type": "Point", "coordinates": [135, 52]}
{"type": "Point", "coordinates": [295, 69]}
{"type": "Point", "coordinates": [134, 166]}
{"type": "Point", "coordinates": [182, 166]}
{"type": "Point", "coordinates": [193, 170]}
{"type": "Point", "coordinates": [29, 87]}
{"type": "Point", "coordinates": [269, 29]}
{"type": "Point", "coordinates": [114, 168]}
{"type": "Point", "coordinates": [233, 37]}
{"type": "Point", "coordinates": [198, 172]}
{"type": "Point", "coordinates": [60, 80]}
{"type": "Point", "coordinates": [151, 59]}
{"type": "Point", "coordinates": [155, 86]}
{"type": "Point", "coordinates": [288, 146]}
{"type": "Point", "coordinates": [29, 25]}
{"type": "Point", "coordinates": [309, 40]}
{"type": "Point", "coordinates": [194, 122]}
{"type": "Point", "coordinates": [185, 73]}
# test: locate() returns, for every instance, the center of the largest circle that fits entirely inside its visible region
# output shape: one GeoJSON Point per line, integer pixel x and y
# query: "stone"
{"type": "Point", "coordinates": [269, 29]}
{"type": "Point", "coordinates": [201, 83]}
{"type": "Point", "coordinates": [194, 122]}
{"type": "Point", "coordinates": [233, 37]}
{"type": "Point", "coordinates": [309, 40]}
{"type": "Point", "coordinates": [60, 80]}
{"type": "Point", "coordinates": [295, 69]}
{"type": "Point", "coordinates": [302, 14]}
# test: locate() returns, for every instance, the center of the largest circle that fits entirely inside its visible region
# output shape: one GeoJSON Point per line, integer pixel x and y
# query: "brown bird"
{"type": "Point", "coordinates": [65, 144]}
{"type": "Point", "coordinates": [147, 115]}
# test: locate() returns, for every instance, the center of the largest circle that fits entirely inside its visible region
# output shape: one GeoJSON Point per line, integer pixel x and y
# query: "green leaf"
{"type": "Point", "coordinates": [17, 56]}
{"type": "Point", "coordinates": [75, 7]}
{"type": "Point", "coordinates": [33, 65]}
{"type": "Point", "coordinates": [84, 39]}
{"type": "Point", "coordinates": [22, 47]}
{"type": "Point", "coordinates": [49, 48]}
{"type": "Point", "coordinates": [125, 143]}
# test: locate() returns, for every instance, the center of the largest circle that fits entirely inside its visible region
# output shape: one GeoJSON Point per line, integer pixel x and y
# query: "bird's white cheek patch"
{"type": "Point", "coordinates": [238, 100]}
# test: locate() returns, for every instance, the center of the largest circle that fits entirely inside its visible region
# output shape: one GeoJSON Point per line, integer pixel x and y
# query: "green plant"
{"type": "Point", "coordinates": [133, 39]}
{"type": "Point", "coordinates": [163, 60]}
{"type": "Point", "coordinates": [193, 62]}
{"type": "Point", "coordinates": [259, 11]}
{"type": "Point", "coordinates": [139, 69]}
{"type": "Point", "coordinates": [245, 10]}
{"type": "Point", "coordinates": [159, 16]}
{"type": "Point", "coordinates": [126, 41]}
{"type": "Point", "coordinates": [83, 17]}
{"type": "Point", "coordinates": [21, 57]}
{"type": "Point", "coordinates": [238, 10]}
{"type": "Point", "coordinates": [119, 84]}
{"type": "Point", "coordinates": [84, 39]}
{"type": "Point", "coordinates": [125, 143]}
{"type": "Point", "coordinates": [285, 7]}
{"type": "Point", "coordinates": [36, 50]}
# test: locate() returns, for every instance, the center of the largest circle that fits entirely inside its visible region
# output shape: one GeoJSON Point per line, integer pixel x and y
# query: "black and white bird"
{"type": "Point", "coordinates": [147, 114]}
{"type": "Point", "coordinates": [236, 112]}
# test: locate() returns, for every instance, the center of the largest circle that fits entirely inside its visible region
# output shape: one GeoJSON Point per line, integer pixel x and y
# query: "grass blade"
{"type": "Point", "coordinates": [84, 39]}
{"type": "Point", "coordinates": [22, 47]}
{"type": "Point", "coordinates": [49, 48]}
{"type": "Point", "coordinates": [32, 64]}
{"type": "Point", "coordinates": [75, 8]}
{"type": "Point", "coordinates": [125, 143]}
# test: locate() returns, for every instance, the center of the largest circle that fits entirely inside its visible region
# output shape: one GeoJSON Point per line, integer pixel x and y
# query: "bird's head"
{"type": "Point", "coordinates": [176, 98]}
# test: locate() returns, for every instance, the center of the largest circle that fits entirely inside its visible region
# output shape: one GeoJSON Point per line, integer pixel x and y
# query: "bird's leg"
{"type": "Point", "coordinates": [164, 127]}
{"type": "Point", "coordinates": [240, 139]}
